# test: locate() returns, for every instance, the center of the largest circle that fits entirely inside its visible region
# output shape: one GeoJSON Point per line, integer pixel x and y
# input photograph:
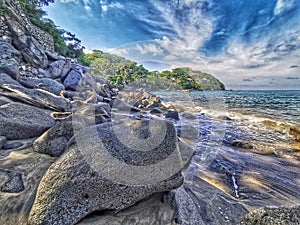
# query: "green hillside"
{"type": "Point", "coordinates": [120, 71]}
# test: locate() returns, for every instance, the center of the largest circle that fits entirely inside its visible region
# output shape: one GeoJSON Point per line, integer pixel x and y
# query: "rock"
{"type": "Point", "coordinates": [20, 121]}
{"type": "Point", "coordinates": [119, 105]}
{"type": "Point", "coordinates": [9, 57]}
{"type": "Point", "coordinates": [187, 210]}
{"type": "Point", "coordinates": [8, 51]}
{"type": "Point", "coordinates": [273, 216]}
{"type": "Point", "coordinates": [52, 55]}
{"type": "Point", "coordinates": [43, 73]}
{"type": "Point", "coordinates": [150, 211]}
{"type": "Point", "coordinates": [59, 69]}
{"type": "Point", "coordinates": [224, 117]}
{"type": "Point", "coordinates": [4, 100]}
{"type": "Point", "coordinates": [72, 80]}
{"type": "Point", "coordinates": [189, 116]}
{"type": "Point", "coordinates": [242, 144]}
{"type": "Point", "coordinates": [2, 141]}
{"type": "Point", "coordinates": [156, 111]}
{"type": "Point", "coordinates": [93, 113]}
{"type": "Point", "coordinates": [31, 50]}
{"type": "Point", "coordinates": [172, 115]}
{"type": "Point", "coordinates": [46, 84]}
{"type": "Point", "coordinates": [15, 207]}
{"type": "Point", "coordinates": [54, 141]}
{"type": "Point", "coordinates": [12, 145]}
{"type": "Point", "coordinates": [82, 181]}
{"type": "Point", "coordinates": [9, 66]}
{"type": "Point", "coordinates": [36, 97]}
{"type": "Point", "coordinates": [6, 79]}
{"type": "Point", "coordinates": [18, 144]}
{"type": "Point", "coordinates": [13, 182]}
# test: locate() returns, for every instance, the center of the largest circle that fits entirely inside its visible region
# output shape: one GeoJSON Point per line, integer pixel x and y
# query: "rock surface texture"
{"type": "Point", "coordinates": [74, 150]}
{"type": "Point", "coordinates": [77, 183]}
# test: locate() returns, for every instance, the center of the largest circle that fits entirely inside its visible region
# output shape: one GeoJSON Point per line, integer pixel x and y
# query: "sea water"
{"type": "Point", "coordinates": [279, 105]}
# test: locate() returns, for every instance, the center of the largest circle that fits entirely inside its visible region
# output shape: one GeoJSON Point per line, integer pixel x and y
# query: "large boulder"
{"type": "Point", "coordinates": [20, 121]}
{"type": "Point", "coordinates": [73, 80]}
{"type": "Point", "coordinates": [9, 66]}
{"type": "Point", "coordinates": [46, 84]}
{"type": "Point", "coordinates": [6, 79]}
{"type": "Point", "coordinates": [9, 57]}
{"type": "Point", "coordinates": [59, 68]}
{"type": "Point", "coordinates": [36, 97]}
{"type": "Point", "coordinates": [108, 167]}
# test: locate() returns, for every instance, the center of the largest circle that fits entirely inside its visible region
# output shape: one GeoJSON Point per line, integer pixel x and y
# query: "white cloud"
{"type": "Point", "coordinates": [283, 5]}
{"type": "Point", "coordinates": [87, 8]}
{"type": "Point", "coordinates": [105, 6]}
{"type": "Point", "coordinates": [149, 49]}
{"type": "Point", "coordinates": [118, 51]}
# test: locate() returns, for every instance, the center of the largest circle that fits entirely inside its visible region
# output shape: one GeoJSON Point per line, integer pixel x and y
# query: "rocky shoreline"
{"type": "Point", "coordinates": [74, 150]}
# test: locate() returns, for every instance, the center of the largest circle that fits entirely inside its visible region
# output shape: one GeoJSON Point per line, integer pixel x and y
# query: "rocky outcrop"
{"type": "Point", "coordinates": [17, 16]}
{"type": "Point", "coordinates": [50, 107]}
{"type": "Point", "coordinates": [273, 216]}
{"type": "Point", "coordinates": [20, 121]}
{"type": "Point", "coordinates": [86, 179]}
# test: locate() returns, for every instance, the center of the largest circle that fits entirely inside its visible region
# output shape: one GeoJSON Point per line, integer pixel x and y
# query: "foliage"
{"type": "Point", "coordinates": [65, 42]}
{"type": "Point", "coordinates": [122, 72]}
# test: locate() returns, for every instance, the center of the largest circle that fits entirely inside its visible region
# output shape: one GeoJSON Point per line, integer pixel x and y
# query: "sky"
{"type": "Point", "coordinates": [247, 44]}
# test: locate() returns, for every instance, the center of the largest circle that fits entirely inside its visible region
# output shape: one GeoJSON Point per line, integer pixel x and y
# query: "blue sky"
{"type": "Point", "coordinates": [248, 44]}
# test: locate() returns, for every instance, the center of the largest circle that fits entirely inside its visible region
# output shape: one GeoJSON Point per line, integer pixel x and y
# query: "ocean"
{"type": "Point", "coordinates": [280, 105]}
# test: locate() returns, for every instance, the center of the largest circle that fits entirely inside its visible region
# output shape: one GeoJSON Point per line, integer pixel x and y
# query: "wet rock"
{"type": "Point", "coordinates": [119, 105]}
{"type": "Point", "coordinates": [242, 144]}
{"type": "Point", "coordinates": [36, 97]}
{"type": "Point", "coordinates": [46, 84]}
{"type": "Point", "coordinates": [82, 181]}
{"type": "Point", "coordinates": [12, 183]}
{"type": "Point", "coordinates": [189, 116]}
{"type": "Point", "coordinates": [156, 111]}
{"type": "Point", "coordinates": [226, 118]}
{"type": "Point", "coordinates": [12, 145]}
{"type": "Point", "coordinates": [2, 141]}
{"type": "Point", "coordinates": [15, 207]}
{"type": "Point", "coordinates": [273, 216]}
{"type": "Point", "coordinates": [26, 122]}
{"type": "Point", "coordinates": [187, 210]}
{"type": "Point", "coordinates": [72, 80]}
{"type": "Point", "coordinates": [150, 211]}
{"type": "Point", "coordinates": [6, 79]}
{"type": "Point", "coordinates": [18, 144]}
{"type": "Point", "coordinates": [172, 115]}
